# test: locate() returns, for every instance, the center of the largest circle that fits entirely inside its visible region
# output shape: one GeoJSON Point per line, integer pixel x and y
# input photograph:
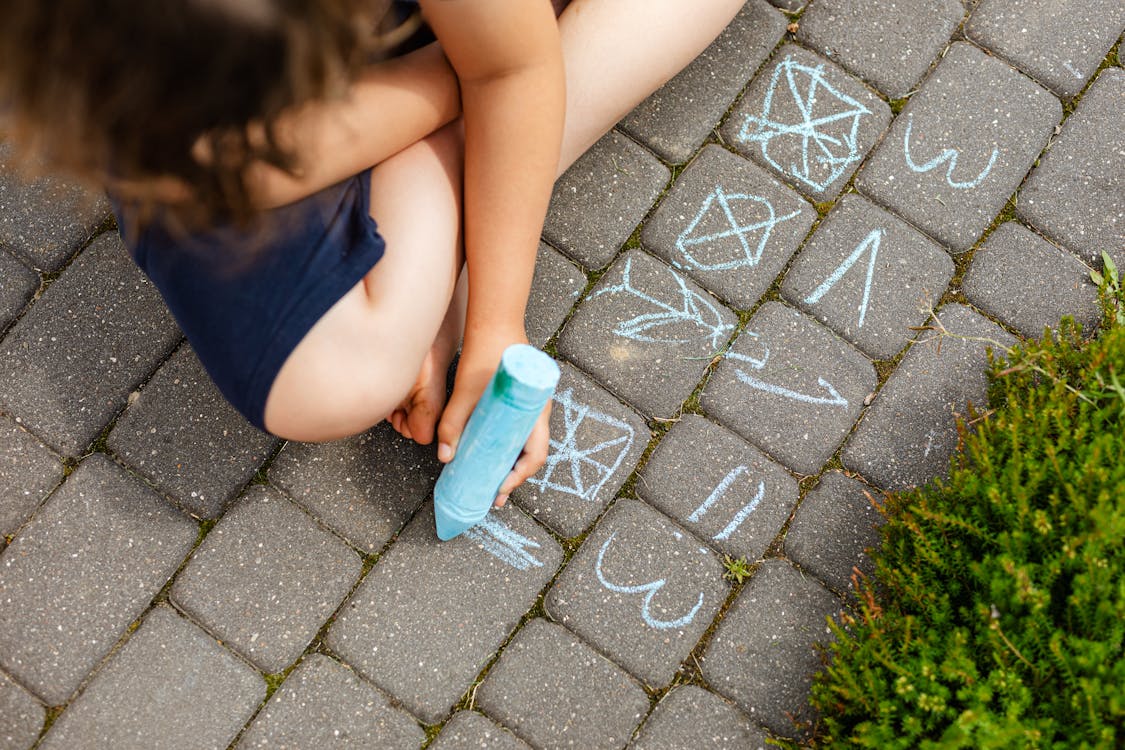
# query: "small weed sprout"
{"type": "Point", "coordinates": [1111, 289]}
{"type": "Point", "coordinates": [738, 570]}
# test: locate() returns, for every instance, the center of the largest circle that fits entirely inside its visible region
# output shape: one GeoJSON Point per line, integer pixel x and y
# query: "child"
{"type": "Point", "coordinates": [247, 144]}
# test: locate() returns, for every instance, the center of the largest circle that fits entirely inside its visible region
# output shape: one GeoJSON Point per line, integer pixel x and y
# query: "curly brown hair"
{"type": "Point", "coordinates": [140, 93]}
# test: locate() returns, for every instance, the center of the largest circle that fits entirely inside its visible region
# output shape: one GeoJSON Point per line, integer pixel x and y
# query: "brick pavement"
{"type": "Point", "coordinates": [743, 377]}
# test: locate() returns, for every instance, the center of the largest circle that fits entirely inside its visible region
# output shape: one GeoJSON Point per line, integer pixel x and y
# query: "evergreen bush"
{"type": "Point", "coordinates": [996, 618]}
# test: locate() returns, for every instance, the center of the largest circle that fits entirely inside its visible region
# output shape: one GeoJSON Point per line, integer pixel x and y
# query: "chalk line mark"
{"type": "Point", "coordinates": [1074, 71]}
{"type": "Point", "coordinates": [692, 310]}
{"type": "Point", "coordinates": [872, 242]}
{"type": "Point", "coordinates": [649, 589]}
{"type": "Point", "coordinates": [498, 540]}
{"type": "Point", "coordinates": [718, 493]}
{"type": "Point", "coordinates": [831, 154]}
{"type": "Point", "coordinates": [832, 399]}
{"type": "Point", "coordinates": [750, 255]}
{"type": "Point", "coordinates": [948, 155]}
{"type": "Point", "coordinates": [567, 460]}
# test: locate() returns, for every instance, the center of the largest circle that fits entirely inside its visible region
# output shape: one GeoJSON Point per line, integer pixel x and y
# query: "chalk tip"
{"type": "Point", "coordinates": [447, 526]}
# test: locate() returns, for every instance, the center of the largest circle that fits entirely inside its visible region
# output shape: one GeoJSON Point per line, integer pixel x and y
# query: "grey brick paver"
{"type": "Point", "coordinates": [85, 567]}
{"type": "Point", "coordinates": [676, 119]}
{"type": "Point", "coordinates": [184, 436]}
{"type": "Point", "coordinates": [641, 591]}
{"type": "Point", "coordinates": [46, 219]}
{"type": "Point", "coordinates": [556, 692]}
{"type": "Point", "coordinates": [729, 225]}
{"type": "Point", "coordinates": [17, 284]}
{"type": "Point", "coordinates": [791, 387]}
{"type": "Point", "coordinates": [807, 121]}
{"type": "Point", "coordinates": [554, 290]}
{"type": "Point", "coordinates": [832, 528]}
{"type": "Point", "coordinates": [363, 488]}
{"type": "Point", "coordinates": [691, 717]}
{"type": "Point", "coordinates": [601, 198]}
{"type": "Point", "coordinates": [69, 364]}
{"type": "Point", "coordinates": [1029, 283]}
{"type": "Point", "coordinates": [718, 486]}
{"type": "Point", "coordinates": [762, 654]}
{"type": "Point", "coordinates": [791, 6]}
{"type": "Point", "coordinates": [1058, 42]}
{"type": "Point", "coordinates": [23, 716]}
{"type": "Point", "coordinates": [1077, 193]}
{"type": "Point", "coordinates": [266, 578]}
{"type": "Point", "coordinates": [908, 434]}
{"type": "Point", "coordinates": [595, 443]}
{"type": "Point", "coordinates": [28, 471]}
{"type": "Point", "coordinates": [961, 146]}
{"type": "Point", "coordinates": [890, 43]}
{"type": "Point", "coordinates": [647, 333]}
{"type": "Point", "coordinates": [324, 705]}
{"type": "Point", "coordinates": [170, 687]}
{"type": "Point", "coordinates": [468, 730]}
{"type": "Point", "coordinates": [868, 276]}
{"type": "Point", "coordinates": [429, 615]}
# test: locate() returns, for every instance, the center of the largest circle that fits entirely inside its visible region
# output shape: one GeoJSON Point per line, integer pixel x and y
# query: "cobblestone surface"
{"type": "Point", "coordinates": [691, 717]}
{"type": "Point", "coordinates": [557, 692]}
{"type": "Point", "coordinates": [183, 436]}
{"type": "Point", "coordinates": [324, 705]}
{"type": "Point", "coordinates": [28, 471]}
{"type": "Point", "coordinates": [472, 731]}
{"type": "Point", "coordinates": [554, 290]}
{"type": "Point", "coordinates": [17, 284]}
{"type": "Point", "coordinates": [961, 147]}
{"type": "Point", "coordinates": [23, 716]}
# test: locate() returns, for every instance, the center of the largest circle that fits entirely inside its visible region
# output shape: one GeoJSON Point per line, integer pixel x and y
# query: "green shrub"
{"type": "Point", "coordinates": [997, 615]}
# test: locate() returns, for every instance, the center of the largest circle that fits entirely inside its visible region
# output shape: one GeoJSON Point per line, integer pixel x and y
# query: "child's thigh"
{"type": "Point", "coordinates": [361, 359]}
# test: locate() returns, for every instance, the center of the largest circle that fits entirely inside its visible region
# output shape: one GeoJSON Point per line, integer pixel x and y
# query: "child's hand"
{"type": "Point", "coordinates": [479, 360]}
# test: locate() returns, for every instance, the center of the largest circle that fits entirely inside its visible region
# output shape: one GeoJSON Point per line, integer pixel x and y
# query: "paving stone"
{"type": "Point", "coordinates": [363, 488]}
{"type": "Point", "coordinates": [807, 121]}
{"type": "Point", "coordinates": [647, 333]}
{"type": "Point", "coordinates": [17, 285]}
{"type": "Point", "coordinates": [468, 731]}
{"type": "Point", "coordinates": [691, 717]}
{"type": "Point", "coordinates": [868, 276]}
{"type": "Point", "coordinates": [266, 578]}
{"type": "Point", "coordinates": [791, 387]}
{"type": "Point", "coordinates": [324, 705]}
{"type": "Point", "coordinates": [187, 439]}
{"type": "Point", "coordinates": [28, 471]}
{"type": "Point", "coordinates": [1077, 193]}
{"type": "Point", "coordinates": [554, 290]}
{"type": "Point", "coordinates": [909, 433]}
{"type": "Point", "coordinates": [45, 219]}
{"type": "Point", "coordinates": [23, 716]}
{"type": "Point", "coordinates": [762, 655]}
{"type": "Point", "coordinates": [791, 6]}
{"type": "Point", "coordinates": [602, 197]}
{"type": "Point", "coordinates": [832, 528]}
{"type": "Point", "coordinates": [729, 225]}
{"type": "Point", "coordinates": [1029, 283]}
{"type": "Point", "coordinates": [70, 363]}
{"type": "Point", "coordinates": [961, 146]}
{"type": "Point", "coordinates": [1058, 42]}
{"type": "Point", "coordinates": [429, 616]}
{"type": "Point", "coordinates": [718, 486]}
{"type": "Point", "coordinates": [85, 567]}
{"type": "Point", "coordinates": [641, 591]}
{"type": "Point", "coordinates": [677, 118]}
{"type": "Point", "coordinates": [170, 687]}
{"type": "Point", "coordinates": [556, 692]}
{"type": "Point", "coordinates": [890, 43]}
{"type": "Point", "coordinates": [596, 442]}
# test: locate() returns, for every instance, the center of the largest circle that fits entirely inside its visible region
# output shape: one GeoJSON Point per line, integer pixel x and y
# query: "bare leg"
{"type": "Point", "coordinates": [348, 373]}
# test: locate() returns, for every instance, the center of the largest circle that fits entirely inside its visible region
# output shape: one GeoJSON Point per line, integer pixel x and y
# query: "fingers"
{"type": "Point", "coordinates": [531, 460]}
{"type": "Point", "coordinates": [421, 421]}
{"type": "Point", "coordinates": [451, 426]}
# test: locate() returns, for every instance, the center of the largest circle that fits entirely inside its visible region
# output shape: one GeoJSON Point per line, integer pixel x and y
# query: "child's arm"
{"type": "Point", "coordinates": [509, 62]}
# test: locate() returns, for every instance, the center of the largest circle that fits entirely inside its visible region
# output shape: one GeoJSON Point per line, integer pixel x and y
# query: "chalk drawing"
{"type": "Point", "coordinates": [948, 155]}
{"type": "Point", "coordinates": [495, 538]}
{"type": "Point", "coordinates": [693, 309]}
{"type": "Point", "coordinates": [649, 589]}
{"type": "Point", "coordinates": [827, 124]}
{"type": "Point", "coordinates": [1074, 71]}
{"type": "Point", "coordinates": [718, 493]}
{"type": "Point", "coordinates": [871, 242]}
{"type": "Point", "coordinates": [722, 201]}
{"type": "Point", "coordinates": [569, 465]}
{"type": "Point", "coordinates": [832, 399]}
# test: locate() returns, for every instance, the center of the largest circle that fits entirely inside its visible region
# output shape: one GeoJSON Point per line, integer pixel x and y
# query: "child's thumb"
{"type": "Point", "coordinates": [449, 429]}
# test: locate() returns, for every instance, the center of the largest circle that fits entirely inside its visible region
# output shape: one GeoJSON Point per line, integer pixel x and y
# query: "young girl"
{"type": "Point", "coordinates": [251, 146]}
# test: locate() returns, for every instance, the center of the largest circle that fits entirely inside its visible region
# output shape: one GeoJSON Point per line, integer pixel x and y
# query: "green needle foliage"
{"type": "Point", "coordinates": [997, 615]}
